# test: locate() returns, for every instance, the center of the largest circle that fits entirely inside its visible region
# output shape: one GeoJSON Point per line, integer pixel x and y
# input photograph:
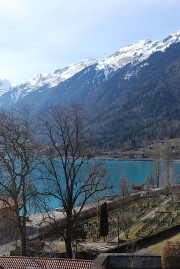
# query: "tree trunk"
{"type": "Point", "coordinates": [68, 239]}
{"type": "Point", "coordinates": [22, 231]}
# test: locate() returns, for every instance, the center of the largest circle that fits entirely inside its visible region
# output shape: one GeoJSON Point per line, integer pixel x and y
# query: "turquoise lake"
{"type": "Point", "coordinates": [134, 171]}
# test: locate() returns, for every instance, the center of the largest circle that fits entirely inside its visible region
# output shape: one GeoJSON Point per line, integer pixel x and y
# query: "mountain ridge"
{"type": "Point", "coordinates": [132, 95]}
{"type": "Point", "coordinates": [135, 52]}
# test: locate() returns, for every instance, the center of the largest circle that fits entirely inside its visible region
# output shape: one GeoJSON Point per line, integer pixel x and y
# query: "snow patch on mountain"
{"type": "Point", "coordinates": [133, 73]}
{"type": "Point", "coordinates": [16, 93]}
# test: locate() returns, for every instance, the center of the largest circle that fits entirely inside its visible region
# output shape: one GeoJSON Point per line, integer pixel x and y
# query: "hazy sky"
{"type": "Point", "coordinates": [40, 36]}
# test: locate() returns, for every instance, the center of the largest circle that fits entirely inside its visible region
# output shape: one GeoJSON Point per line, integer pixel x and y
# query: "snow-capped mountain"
{"type": "Point", "coordinates": [132, 53]}
{"type": "Point", "coordinates": [133, 92]}
{"type": "Point", "coordinates": [89, 73]}
{"type": "Point", "coordinates": [136, 52]}
{"type": "Point", "coordinates": [5, 86]}
{"type": "Point", "coordinates": [54, 79]}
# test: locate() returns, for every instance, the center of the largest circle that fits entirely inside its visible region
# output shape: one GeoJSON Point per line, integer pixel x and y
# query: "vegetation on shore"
{"type": "Point", "coordinates": [144, 152]}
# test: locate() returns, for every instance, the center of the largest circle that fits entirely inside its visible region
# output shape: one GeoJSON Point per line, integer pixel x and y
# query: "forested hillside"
{"type": "Point", "coordinates": [144, 107]}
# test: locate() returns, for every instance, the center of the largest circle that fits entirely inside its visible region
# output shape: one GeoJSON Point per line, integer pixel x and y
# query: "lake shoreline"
{"type": "Point", "coordinates": [105, 158]}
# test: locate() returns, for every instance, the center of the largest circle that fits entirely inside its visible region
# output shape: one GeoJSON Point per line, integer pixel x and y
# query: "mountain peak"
{"type": "Point", "coordinates": [5, 86]}
{"type": "Point", "coordinates": [173, 38]}
{"type": "Point", "coordinates": [72, 69]}
{"type": "Point", "coordinates": [53, 79]}
{"type": "Point", "coordinates": [129, 53]}
{"type": "Point", "coordinates": [137, 51]}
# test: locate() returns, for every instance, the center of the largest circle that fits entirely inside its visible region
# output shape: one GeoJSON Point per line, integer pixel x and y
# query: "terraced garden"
{"type": "Point", "coordinates": [149, 215]}
{"type": "Point", "coordinates": [164, 216]}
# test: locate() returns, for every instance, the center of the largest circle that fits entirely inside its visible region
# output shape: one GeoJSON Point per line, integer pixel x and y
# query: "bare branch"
{"type": "Point", "coordinates": [73, 177]}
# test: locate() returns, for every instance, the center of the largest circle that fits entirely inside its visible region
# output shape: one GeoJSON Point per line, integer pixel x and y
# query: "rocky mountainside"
{"type": "Point", "coordinates": [132, 95]}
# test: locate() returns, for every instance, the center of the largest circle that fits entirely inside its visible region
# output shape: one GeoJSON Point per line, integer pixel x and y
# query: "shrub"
{"type": "Point", "coordinates": [171, 255]}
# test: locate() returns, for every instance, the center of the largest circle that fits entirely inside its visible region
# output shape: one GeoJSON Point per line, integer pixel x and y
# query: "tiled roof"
{"type": "Point", "coordinates": [13, 262]}
{"type": "Point", "coordinates": [6, 203]}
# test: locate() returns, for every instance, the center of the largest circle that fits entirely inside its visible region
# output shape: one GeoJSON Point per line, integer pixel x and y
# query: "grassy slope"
{"type": "Point", "coordinates": [158, 248]}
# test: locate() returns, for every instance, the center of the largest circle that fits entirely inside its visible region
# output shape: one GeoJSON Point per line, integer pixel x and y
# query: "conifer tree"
{"type": "Point", "coordinates": [104, 226]}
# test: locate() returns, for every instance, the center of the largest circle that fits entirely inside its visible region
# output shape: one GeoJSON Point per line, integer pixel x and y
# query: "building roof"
{"type": "Point", "coordinates": [6, 204]}
{"type": "Point", "coordinates": [14, 262]}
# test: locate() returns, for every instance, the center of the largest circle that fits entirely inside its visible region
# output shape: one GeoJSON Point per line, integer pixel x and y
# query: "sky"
{"type": "Point", "coordinates": [41, 36]}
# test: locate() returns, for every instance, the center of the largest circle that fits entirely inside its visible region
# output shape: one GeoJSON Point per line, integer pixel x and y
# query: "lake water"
{"type": "Point", "coordinates": [134, 171]}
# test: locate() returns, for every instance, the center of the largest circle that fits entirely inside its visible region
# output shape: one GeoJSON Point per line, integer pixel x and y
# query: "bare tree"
{"type": "Point", "coordinates": [16, 166]}
{"type": "Point", "coordinates": [125, 219]}
{"type": "Point", "coordinates": [156, 165]}
{"type": "Point", "coordinates": [131, 249]}
{"type": "Point", "coordinates": [124, 186]}
{"type": "Point", "coordinates": [72, 179]}
{"type": "Point", "coordinates": [168, 173]}
{"type": "Point", "coordinates": [149, 181]}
